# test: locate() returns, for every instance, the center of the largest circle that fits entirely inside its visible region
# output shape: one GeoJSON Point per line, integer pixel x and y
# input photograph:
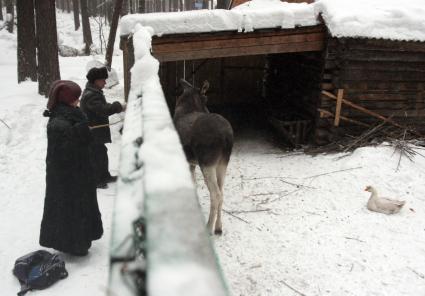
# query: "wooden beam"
{"type": "Point", "coordinates": [369, 112]}
{"type": "Point", "coordinates": [228, 44]}
{"type": "Point", "coordinates": [338, 106]}
{"type": "Point", "coordinates": [241, 51]}
{"type": "Point", "coordinates": [325, 113]}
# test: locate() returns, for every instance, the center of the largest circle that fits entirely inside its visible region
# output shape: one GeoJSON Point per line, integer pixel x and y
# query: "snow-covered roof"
{"type": "Point", "coordinates": [243, 18]}
{"type": "Point", "coordinates": [388, 19]}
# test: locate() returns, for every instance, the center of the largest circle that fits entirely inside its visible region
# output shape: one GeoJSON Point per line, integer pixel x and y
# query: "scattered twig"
{"type": "Point", "coordinates": [352, 266]}
{"type": "Point", "coordinates": [293, 289]}
{"type": "Point", "coordinates": [405, 149]}
{"type": "Point", "coordinates": [281, 179]}
{"type": "Point", "coordinates": [401, 145]}
{"type": "Point", "coordinates": [256, 266]}
{"type": "Point", "coordinates": [291, 154]}
{"type": "Point", "coordinates": [277, 198]}
{"type": "Point", "coordinates": [314, 176]}
{"type": "Point", "coordinates": [417, 273]}
{"type": "Point", "coordinates": [364, 136]}
{"type": "Point", "coordinates": [250, 211]}
{"type": "Point", "coordinates": [312, 213]}
{"type": "Point", "coordinates": [298, 185]}
{"type": "Point", "coordinates": [233, 215]}
{"type": "Point", "coordinates": [266, 193]}
{"type": "Point", "coordinates": [5, 124]}
{"type": "Point", "coordinates": [356, 239]}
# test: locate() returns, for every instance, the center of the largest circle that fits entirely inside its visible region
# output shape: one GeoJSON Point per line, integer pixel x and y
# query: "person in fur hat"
{"type": "Point", "coordinates": [71, 217]}
{"type": "Point", "coordinates": [98, 110]}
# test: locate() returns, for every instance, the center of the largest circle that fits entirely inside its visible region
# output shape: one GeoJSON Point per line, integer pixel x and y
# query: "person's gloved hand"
{"type": "Point", "coordinates": [117, 107]}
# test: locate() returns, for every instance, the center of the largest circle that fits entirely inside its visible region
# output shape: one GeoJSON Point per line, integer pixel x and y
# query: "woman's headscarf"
{"type": "Point", "coordinates": [64, 91]}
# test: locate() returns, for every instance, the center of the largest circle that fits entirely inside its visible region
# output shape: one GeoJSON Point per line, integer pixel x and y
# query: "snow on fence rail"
{"type": "Point", "coordinates": [155, 186]}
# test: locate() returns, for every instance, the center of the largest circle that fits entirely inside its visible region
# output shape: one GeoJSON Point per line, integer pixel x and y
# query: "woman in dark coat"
{"type": "Point", "coordinates": [98, 110]}
{"type": "Point", "coordinates": [71, 217]}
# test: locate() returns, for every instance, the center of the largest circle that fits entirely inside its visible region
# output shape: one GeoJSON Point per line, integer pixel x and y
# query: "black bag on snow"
{"type": "Point", "coordinates": [39, 270]}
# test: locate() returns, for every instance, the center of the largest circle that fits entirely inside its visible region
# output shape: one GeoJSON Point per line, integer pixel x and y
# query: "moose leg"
{"type": "Point", "coordinates": [210, 178]}
{"type": "Point", "coordinates": [221, 173]}
{"type": "Point", "coordinates": [192, 172]}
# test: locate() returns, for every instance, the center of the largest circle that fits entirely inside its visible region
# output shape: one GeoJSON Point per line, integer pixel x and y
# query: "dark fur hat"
{"type": "Point", "coordinates": [97, 73]}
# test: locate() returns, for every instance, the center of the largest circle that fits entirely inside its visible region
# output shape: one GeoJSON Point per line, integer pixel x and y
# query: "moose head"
{"type": "Point", "coordinates": [192, 99]}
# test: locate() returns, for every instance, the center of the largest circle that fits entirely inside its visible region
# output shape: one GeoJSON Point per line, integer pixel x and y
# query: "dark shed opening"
{"type": "Point", "coordinates": [264, 80]}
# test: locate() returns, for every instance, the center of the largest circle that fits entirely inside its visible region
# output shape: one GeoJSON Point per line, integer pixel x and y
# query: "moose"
{"type": "Point", "coordinates": [207, 140]}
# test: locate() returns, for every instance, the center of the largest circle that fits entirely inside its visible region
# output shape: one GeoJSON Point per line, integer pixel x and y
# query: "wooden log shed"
{"type": "Point", "coordinates": [383, 76]}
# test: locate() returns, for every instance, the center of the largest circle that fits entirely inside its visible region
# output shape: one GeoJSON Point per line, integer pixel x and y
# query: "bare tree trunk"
{"type": "Point", "coordinates": [222, 4]}
{"type": "Point", "coordinates": [61, 4]}
{"type": "Point", "coordinates": [113, 32]}
{"type": "Point", "coordinates": [86, 26]}
{"type": "Point", "coordinates": [109, 11]}
{"type": "Point", "coordinates": [27, 65]}
{"type": "Point", "coordinates": [188, 4]}
{"type": "Point", "coordinates": [10, 15]}
{"type": "Point", "coordinates": [157, 6]}
{"type": "Point", "coordinates": [47, 45]}
{"type": "Point", "coordinates": [124, 8]}
{"type": "Point", "coordinates": [91, 8]}
{"type": "Point", "coordinates": [76, 9]}
{"type": "Point", "coordinates": [142, 6]}
{"type": "Point", "coordinates": [68, 6]}
{"type": "Point", "coordinates": [1, 10]}
{"type": "Point", "coordinates": [131, 6]}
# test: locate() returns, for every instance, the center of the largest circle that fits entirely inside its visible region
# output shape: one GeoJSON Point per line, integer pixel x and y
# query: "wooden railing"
{"type": "Point", "coordinates": [159, 245]}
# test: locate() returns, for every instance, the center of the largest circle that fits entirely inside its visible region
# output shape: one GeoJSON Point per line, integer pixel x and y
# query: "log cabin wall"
{"type": "Point", "coordinates": [387, 77]}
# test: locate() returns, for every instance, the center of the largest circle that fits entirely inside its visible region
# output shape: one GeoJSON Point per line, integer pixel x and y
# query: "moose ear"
{"type": "Point", "coordinates": [185, 84]}
{"type": "Point", "coordinates": [205, 87]}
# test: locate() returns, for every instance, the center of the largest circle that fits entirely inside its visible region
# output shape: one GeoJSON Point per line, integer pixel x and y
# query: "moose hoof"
{"type": "Point", "coordinates": [218, 232]}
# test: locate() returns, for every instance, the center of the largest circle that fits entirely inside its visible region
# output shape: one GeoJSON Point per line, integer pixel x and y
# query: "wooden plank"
{"type": "Point", "coordinates": [382, 44]}
{"type": "Point", "coordinates": [229, 44]}
{"type": "Point", "coordinates": [399, 115]}
{"type": "Point", "coordinates": [360, 74]}
{"type": "Point", "coordinates": [327, 86]}
{"type": "Point", "coordinates": [399, 66]}
{"type": "Point", "coordinates": [324, 114]}
{"type": "Point", "coordinates": [383, 85]}
{"type": "Point", "coordinates": [239, 42]}
{"type": "Point", "coordinates": [339, 97]}
{"type": "Point", "coordinates": [244, 51]}
{"type": "Point", "coordinates": [382, 96]}
{"type": "Point", "coordinates": [375, 55]}
{"type": "Point", "coordinates": [371, 113]}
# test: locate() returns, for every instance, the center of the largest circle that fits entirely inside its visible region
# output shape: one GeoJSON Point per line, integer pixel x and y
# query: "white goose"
{"type": "Point", "coordinates": [382, 204]}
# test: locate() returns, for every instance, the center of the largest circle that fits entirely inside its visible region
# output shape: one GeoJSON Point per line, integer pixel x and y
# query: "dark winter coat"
{"type": "Point", "coordinates": [94, 105]}
{"type": "Point", "coordinates": [71, 217]}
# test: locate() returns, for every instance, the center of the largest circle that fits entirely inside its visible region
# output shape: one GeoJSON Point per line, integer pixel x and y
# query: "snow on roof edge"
{"type": "Point", "coordinates": [379, 19]}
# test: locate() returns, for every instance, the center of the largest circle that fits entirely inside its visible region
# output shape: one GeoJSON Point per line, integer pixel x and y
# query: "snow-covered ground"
{"type": "Point", "coordinates": [300, 222]}
{"type": "Point", "coordinates": [293, 224]}
{"type": "Point", "coordinates": [22, 170]}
